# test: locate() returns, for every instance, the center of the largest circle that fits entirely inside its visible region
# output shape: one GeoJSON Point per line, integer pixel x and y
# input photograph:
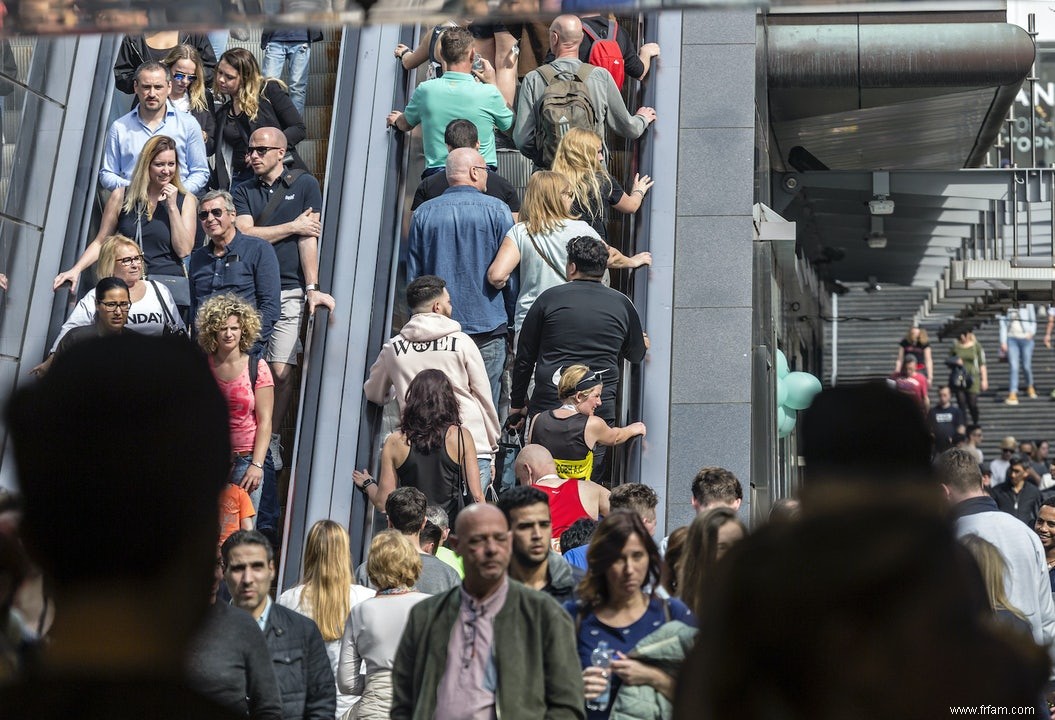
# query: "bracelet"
{"type": "Point", "coordinates": [402, 54]}
{"type": "Point", "coordinates": [639, 192]}
{"type": "Point", "coordinates": [256, 464]}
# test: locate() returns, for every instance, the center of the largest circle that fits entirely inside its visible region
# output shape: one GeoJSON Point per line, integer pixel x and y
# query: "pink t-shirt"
{"type": "Point", "coordinates": [241, 404]}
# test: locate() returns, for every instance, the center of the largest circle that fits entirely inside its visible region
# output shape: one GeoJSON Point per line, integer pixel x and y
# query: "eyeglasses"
{"type": "Point", "coordinates": [259, 150]}
{"type": "Point", "coordinates": [123, 306]}
{"type": "Point", "coordinates": [184, 77]}
{"type": "Point", "coordinates": [215, 212]}
{"type": "Point", "coordinates": [131, 260]}
{"type": "Point", "coordinates": [481, 167]}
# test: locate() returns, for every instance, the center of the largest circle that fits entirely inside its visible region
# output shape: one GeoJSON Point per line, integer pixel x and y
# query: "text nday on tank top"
{"type": "Point", "coordinates": [565, 438]}
{"type": "Point", "coordinates": [436, 475]}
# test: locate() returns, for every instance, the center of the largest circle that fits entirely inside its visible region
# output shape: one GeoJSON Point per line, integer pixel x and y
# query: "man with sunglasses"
{"type": "Point", "coordinates": [234, 262]}
{"type": "Point", "coordinates": [282, 207]}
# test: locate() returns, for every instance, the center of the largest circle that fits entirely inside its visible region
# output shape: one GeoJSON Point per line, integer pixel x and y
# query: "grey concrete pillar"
{"type": "Point", "coordinates": [710, 313]}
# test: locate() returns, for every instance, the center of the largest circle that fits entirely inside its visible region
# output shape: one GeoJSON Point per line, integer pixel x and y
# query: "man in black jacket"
{"type": "Point", "coordinates": [302, 668]}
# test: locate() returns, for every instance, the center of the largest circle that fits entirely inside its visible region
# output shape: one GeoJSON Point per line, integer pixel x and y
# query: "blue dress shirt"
{"type": "Point", "coordinates": [129, 134]}
{"type": "Point", "coordinates": [248, 269]}
{"type": "Point", "coordinates": [456, 236]}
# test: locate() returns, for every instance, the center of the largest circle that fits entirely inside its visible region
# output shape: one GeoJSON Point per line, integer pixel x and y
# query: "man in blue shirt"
{"type": "Point", "coordinates": [232, 262]}
{"type": "Point", "coordinates": [456, 236]}
{"type": "Point", "coordinates": [154, 116]}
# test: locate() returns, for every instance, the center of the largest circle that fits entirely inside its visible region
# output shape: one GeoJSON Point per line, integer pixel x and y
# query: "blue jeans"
{"type": "Point", "coordinates": [277, 55]}
{"type": "Point", "coordinates": [218, 39]}
{"type": "Point", "coordinates": [265, 497]}
{"type": "Point", "coordinates": [1020, 352]}
{"type": "Point", "coordinates": [485, 472]}
{"type": "Point", "coordinates": [493, 350]}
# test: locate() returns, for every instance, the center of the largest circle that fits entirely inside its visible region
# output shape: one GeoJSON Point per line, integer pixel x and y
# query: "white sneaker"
{"type": "Point", "coordinates": [276, 451]}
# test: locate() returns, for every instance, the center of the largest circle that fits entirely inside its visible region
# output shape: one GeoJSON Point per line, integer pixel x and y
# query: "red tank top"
{"type": "Point", "coordinates": [565, 507]}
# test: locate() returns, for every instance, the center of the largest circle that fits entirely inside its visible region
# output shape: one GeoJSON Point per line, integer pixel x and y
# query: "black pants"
{"type": "Point", "coordinates": [968, 402]}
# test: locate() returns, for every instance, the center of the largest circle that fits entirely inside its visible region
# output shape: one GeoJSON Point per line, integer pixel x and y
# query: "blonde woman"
{"type": "Point", "coordinates": [155, 211]}
{"type": "Point", "coordinates": [189, 91]}
{"type": "Point", "coordinates": [253, 102]}
{"type": "Point", "coordinates": [227, 328]}
{"type": "Point", "coordinates": [580, 158]}
{"type": "Point", "coordinates": [375, 625]}
{"type": "Point", "coordinates": [916, 343]}
{"type": "Point", "coordinates": [572, 432]}
{"type": "Point", "coordinates": [994, 570]}
{"type": "Point", "coordinates": [328, 592]}
{"type": "Point", "coordinates": [538, 243]}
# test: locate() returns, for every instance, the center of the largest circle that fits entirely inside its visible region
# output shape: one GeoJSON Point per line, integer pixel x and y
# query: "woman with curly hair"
{"type": "Point", "coordinates": [157, 212]}
{"type": "Point", "coordinates": [253, 101]}
{"type": "Point", "coordinates": [227, 328]}
{"type": "Point", "coordinates": [328, 591]}
{"type": "Point", "coordinates": [431, 450]}
{"type": "Point", "coordinates": [189, 92]}
{"type": "Point", "coordinates": [579, 158]}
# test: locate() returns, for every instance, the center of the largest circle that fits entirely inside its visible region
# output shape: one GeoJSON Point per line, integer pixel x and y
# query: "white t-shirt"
{"type": "Point", "coordinates": [537, 275]}
{"type": "Point", "coordinates": [145, 316]}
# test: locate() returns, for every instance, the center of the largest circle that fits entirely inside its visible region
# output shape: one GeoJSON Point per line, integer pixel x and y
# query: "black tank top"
{"type": "Point", "coordinates": [436, 474]}
{"type": "Point", "coordinates": [565, 438]}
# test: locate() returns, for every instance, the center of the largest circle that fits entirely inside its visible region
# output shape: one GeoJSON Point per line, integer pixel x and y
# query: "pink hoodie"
{"type": "Point", "coordinates": [430, 341]}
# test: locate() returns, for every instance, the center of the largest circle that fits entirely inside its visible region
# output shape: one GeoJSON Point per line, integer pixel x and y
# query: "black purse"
{"type": "Point", "coordinates": [171, 329]}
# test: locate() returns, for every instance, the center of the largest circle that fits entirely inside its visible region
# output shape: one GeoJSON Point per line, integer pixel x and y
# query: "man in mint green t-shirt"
{"type": "Point", "coordinates": [462, 93]}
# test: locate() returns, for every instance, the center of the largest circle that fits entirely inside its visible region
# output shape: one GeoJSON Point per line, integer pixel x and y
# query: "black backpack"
{"type": "Point", "coordinates": [565, 104]}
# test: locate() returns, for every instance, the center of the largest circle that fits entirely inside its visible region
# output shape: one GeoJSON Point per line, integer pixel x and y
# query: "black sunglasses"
{"type": "Point", "coordinates": [215, 212]}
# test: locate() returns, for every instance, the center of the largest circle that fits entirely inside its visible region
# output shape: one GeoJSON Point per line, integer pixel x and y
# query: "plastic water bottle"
{"type": "Point", "coordinates": [601, 657]}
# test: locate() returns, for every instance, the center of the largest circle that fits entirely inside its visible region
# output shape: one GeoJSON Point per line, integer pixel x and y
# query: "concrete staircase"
{"type": "Point", "coordinates": [870, 327]}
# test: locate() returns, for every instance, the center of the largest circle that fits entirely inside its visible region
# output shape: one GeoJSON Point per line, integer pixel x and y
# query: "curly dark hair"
{"type": "Point", "coordinates": [430, 409]}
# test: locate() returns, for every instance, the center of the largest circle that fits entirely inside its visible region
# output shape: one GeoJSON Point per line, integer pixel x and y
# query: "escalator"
{"type": "Point", "coordinates": [370, 179]}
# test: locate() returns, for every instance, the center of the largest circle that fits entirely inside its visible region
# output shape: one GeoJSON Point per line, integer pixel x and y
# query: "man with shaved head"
{"type": "Point", "coordinates": [609, 110]}
{"type": "Point", "coordinates": [282, 206]}
{"type": "Point", "coordinates": [456, 237]}
{"type": "Point", "coordinates": [491, 647]}
{"type": "Point", "coordinates": [569, 500]}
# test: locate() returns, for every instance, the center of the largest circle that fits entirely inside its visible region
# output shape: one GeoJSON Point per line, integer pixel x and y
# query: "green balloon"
{"type": "Point", "coordinates": [802, 387]}
{"type": "Point", "coordinates": [782, 364]}
{"type": "Point", "coordinates": [782, 391]}
{"type": "Point", "coordinates": [785, 421]}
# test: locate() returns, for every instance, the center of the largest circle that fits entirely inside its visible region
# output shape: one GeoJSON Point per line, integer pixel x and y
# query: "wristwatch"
{"type": "Point", "coordinates": [367, 483]}
{"type": "Point", "coordinates": [313, 286]}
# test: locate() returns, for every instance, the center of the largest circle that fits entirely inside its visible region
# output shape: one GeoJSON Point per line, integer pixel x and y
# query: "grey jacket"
{"type": "Point", "coordinates": [665, 649]}
{"type": "Point", "coordinates": [534, 649]}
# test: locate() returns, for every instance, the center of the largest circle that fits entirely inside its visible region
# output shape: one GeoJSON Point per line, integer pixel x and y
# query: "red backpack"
{"type": "Point", "coordinates": [606, 53]}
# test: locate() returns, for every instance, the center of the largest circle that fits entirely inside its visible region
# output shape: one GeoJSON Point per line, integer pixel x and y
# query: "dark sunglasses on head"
{"type": "Point", "coordinates": [215, 212]}
{"type": "Point", "coordinates": [184, 76]}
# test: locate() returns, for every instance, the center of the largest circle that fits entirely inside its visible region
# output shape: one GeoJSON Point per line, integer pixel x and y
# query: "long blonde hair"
{"type": "Point", "coordinates": [576, 159]}
{"type": "Point", "coordinates": [994, 569]}
{"type": "Point", "coordinates": [923, 339]}
{"type": "Point", "coordinates": [543, 208]}
{"type": "Point", "coordinates": [327, 577]}
{"type": "Point", "coordinates": [197, 88]}
{"type": "Point", "coordinates": [137, 199]}
{"type": "Point", "coordinates": [251, 80]}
